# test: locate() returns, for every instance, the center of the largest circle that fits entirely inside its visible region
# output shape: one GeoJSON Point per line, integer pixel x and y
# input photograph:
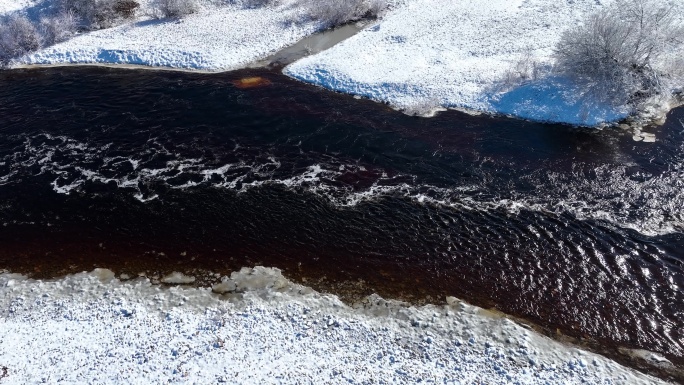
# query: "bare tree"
{"type": "Point", "coordinates": [258, 3]}
{"type": "Point", "coordinates": [525, 69]}
{"type": "Point", "coordinates": [617, 54]}
{"type": "Point", "coordinates": [174, 8]}
{"type": "Point", "coordinates": [332, 13]}
{"type": "Point", "coordinates": [377, 7]}
{"type": "Point", "coordinates": [18, 36]}
{"type": "Point", "coordinates": [58, 28]}
{"type": "Point", "coordinates": [96, 14]}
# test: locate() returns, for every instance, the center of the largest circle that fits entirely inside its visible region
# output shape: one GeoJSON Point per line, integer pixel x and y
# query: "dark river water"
{"type": "Point", "coordinates": [576, 230]}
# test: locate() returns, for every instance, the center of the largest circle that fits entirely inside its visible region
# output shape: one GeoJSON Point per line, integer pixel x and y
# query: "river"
{"type": "Point", "coordinates": [579, 231]}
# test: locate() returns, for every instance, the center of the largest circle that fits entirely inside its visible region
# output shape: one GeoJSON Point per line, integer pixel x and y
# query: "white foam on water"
{"type": "Point", "coordinates": [145, 198]}
{"type": "Point", "coordinates": [66, 189]}
{"type": "Point", "coordinates": [649, 204]}
{"type": "Point", "coordinates": [91, 327]}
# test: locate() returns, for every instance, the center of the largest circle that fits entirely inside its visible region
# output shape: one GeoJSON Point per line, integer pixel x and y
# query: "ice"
{"type": "Point", "coordinates": [178, 279]}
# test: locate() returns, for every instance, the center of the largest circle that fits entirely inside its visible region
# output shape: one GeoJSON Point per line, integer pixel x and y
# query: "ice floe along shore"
{"type": "Point", "coordinates": [93, 327]}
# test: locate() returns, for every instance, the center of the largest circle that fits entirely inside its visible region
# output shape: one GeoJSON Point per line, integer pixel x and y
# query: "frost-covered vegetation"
{"type": "Point", "coordinates": [527, 68]}
{"type": "Point", "coordinates": [258, 3]}
{"type": "Point", "coordinates": [331, 13]}
{"type": "Point", "coordinates": [96, 14]}
{"type": "Point", "coordinates": [59, 27]}
{"type": "Point", "coordinates": [163, 9]}
{"type": "Point", "coordinates": [17, 36]}
{"type": "Point", "coordinates": [625, 57]}
{"type": "Point", "coordinates": [335, 13]}
{"type": "Point", "coordinates": [626, 53]}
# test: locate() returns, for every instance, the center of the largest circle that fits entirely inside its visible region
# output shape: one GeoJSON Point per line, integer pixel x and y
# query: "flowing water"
{"type": "Point", "coordinates": [573, 229]}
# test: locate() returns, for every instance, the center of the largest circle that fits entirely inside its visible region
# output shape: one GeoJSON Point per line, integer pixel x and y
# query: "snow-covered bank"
{"type": "Point", "coordinates": [456, 54]}
{"type": "Point", "coordinates": [217, 38]}
{"type": "Point", "coordinates": [7, 6]}
{"type": "Point", "coordinates": [422, 56]}
{"type": "Point", "coordinates": [91, 327]}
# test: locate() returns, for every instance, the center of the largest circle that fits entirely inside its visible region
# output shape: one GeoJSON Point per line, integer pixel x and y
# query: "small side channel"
{"type": "Point", "coordinates": [311, 45]}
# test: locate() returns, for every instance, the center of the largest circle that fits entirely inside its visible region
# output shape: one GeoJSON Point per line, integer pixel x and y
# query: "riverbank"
{"type": "Point", "coordinates": [312, 44]}
{"type": "Point", "coordinates": [216, 38]}
{"type": "Point", "coordinates": [266, 329]}
{"type": "Point", "coordinates": [489, 56]}
{"type": "Point", "coordinates": [345, 196]}
{"type": "Point", "coordinates": [476, 56]}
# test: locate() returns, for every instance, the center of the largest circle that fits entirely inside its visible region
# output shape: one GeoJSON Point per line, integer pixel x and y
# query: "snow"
{"type": "Point", "coordinates": [7, 6]}
{"type": "Point", "coordinates": [95, 328]}
{"type": "Point", "coordinates": [217, 38]}
{"type": "Point", "coordinates": [557, 100]}
{"type": "Point", "coordinates": [431, 53]}
{"type": "Point", "coordinates": [422, 56]}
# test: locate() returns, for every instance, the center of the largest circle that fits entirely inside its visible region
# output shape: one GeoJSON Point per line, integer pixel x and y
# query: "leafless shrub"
{"type": "Point", "coordinates": [17, 37]}
{"type": "Point", "coordinates": [258, 3]}
{"type": "Point", "coordinates": [616, 55]}
{"type": "Point", "coordinates": [526, 69]}
{"type": "Point", "coordinates": [96, 14]}
{"type": "Point", "coordinates": [58, 28]}
{"type": "Point", "coordinates": [174, 8]}
{"type": "Point", "coordinates": [377, 7]}
{"type": "Point", "coordinates": [678, 74]}
{"type": "Point", "coordinates": [126, 8]}
{"type": "Point", "coordinates": [332, 13]}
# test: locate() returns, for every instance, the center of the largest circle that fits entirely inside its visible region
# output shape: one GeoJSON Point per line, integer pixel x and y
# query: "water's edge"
{"type": "Point", "coordinates": [390, 275]}
{"type": "Point", "coordinates": [277, 61]}
{"type": "Point", "coordinates": [355, 292]}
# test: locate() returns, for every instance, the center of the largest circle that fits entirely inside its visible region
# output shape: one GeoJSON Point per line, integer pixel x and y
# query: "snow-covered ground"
{"type": "Point", "coordinates": [7, 6]}
{"type": "Point", "coordinates": [220, 37]}
{"type": "Point", "coordinates": [94, 328]}
{"type": "Point", "coordinates": [455, 54]}
{"type": "Point", "coordinates": [421, 56]}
